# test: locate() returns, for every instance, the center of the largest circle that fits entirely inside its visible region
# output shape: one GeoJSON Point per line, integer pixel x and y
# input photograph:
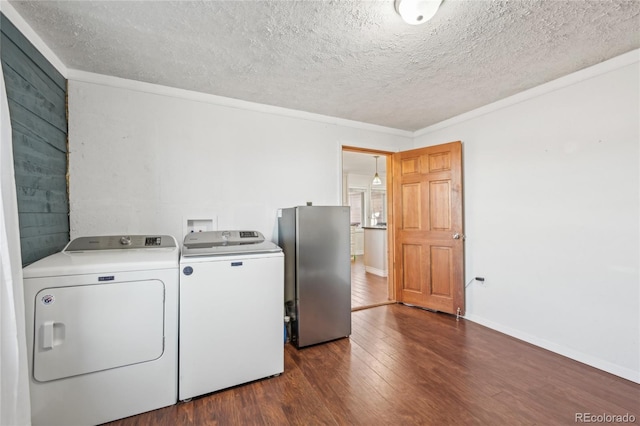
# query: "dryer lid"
{"type": "Point", "coordinates": [88, 255]}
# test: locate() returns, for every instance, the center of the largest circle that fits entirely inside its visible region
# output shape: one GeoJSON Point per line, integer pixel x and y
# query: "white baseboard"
{"type": "Point", "coordinates": [625, 373]}
{"type": "Point", "coordinates": [376, 271]}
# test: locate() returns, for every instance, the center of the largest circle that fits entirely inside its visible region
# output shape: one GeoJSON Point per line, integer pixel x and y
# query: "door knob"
{"type": "Point", "coordinates": [458, 236]}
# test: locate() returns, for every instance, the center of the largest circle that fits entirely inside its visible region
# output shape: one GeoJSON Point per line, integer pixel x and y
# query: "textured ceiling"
{"type": "Point", "coordinates": [350, 59]}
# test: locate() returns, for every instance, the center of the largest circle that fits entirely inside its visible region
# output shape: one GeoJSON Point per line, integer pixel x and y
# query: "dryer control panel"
{"type": "Point", "coordinates": [120, 242]}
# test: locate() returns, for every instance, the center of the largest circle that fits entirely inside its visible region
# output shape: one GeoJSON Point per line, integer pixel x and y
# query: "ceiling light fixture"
{"type": "Point", "coordinates": [416, 12]}
{"type": "Point", "coordinates": [376, 178]}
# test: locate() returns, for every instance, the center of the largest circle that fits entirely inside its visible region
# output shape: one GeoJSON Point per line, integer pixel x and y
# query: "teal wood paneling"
{"type": "Point", "coordinates": [36, 93]}
{"type": "Point", "coordinates": [35, 248]}
{"type": "Point", "coordinates": [36, 57]}
{"type": "Point", "coordinates": [43, 101]}
{"type": "Point", "coordinates": [38, 225]}
{"type": "Point", "coordinates": [29, 135]}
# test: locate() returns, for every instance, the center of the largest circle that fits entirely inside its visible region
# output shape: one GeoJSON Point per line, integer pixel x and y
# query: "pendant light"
{"type": "Point", "coordinates": [417, 12]}
{"type": "Point", "coordinates": [376, 178]}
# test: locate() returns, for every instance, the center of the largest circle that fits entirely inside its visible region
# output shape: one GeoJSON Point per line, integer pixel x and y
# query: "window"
{"type": "Point", "coordinates": [356, 202]}
{"type": "Point", "coordinates": [379, 206]}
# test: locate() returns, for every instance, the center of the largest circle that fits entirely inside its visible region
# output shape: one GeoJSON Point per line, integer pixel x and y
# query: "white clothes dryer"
{"type": "Point", "coordinates": [102, 329]}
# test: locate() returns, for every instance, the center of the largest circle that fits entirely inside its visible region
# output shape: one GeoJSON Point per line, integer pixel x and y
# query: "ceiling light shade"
{"type": "Point", "coordinates": [416, 12]}
{"type": "Point", "coordinates": [376, 178]}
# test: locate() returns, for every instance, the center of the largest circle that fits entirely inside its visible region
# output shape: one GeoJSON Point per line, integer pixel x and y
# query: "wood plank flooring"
{"type": "Point", "coordinates": [366, 289]}
{"type": "Point", "coordinates": [406, 366]}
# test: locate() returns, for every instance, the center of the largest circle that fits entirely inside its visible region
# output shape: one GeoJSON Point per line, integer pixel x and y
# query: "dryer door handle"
{"type": "Point", "coordinates": [47, 335]}
{"type": "Point", "coordinates": [52, 334]}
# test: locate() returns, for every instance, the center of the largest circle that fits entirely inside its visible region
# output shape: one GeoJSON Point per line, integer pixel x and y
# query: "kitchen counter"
{"type": "Point", "coordinates": [375, 250]}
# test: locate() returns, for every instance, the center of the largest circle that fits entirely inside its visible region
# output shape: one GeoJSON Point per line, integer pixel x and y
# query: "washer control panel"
{"type": "Point", "coordinates": [222, 238]}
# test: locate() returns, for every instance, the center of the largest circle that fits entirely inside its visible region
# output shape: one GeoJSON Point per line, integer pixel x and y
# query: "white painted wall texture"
{"type": "Point", "coordinates": [551, 187]}
{"type": "Point", "coordinates": [143, 163]}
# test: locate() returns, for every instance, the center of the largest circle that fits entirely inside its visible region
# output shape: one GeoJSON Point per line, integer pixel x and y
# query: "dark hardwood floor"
{"type": "Point", "coordinates": [366, 289]}
{"type": "Point", "coordinates": [403, 365]}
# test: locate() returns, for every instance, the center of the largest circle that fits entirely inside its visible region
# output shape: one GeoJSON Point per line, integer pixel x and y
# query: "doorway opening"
{"type": "Point", "coordinates": [371, 228]}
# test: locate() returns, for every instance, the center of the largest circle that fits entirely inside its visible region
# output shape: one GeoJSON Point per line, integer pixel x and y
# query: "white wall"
{"type": "Point", "coordinates": [143, 162]}
{"type": "Point", "coordinates": [551, 192]}
{"type": "Point", "coordinates": [551, 186]}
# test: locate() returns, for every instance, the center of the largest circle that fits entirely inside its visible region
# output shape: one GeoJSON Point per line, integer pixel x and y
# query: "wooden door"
{"type": "Point", "coordinates": [429, 241]}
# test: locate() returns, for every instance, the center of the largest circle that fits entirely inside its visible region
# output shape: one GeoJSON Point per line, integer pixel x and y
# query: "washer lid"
{"type": "Point", "coordinates": [220, 243]}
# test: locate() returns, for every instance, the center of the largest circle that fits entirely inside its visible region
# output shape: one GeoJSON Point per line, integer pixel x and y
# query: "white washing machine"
{"type": "Point", "coordinates": [102, 329]}
{"type": "Point", "coordinates": [231, 311]}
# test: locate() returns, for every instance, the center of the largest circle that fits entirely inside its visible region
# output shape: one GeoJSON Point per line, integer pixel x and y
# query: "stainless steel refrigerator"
{"type": "Point", "coordinates": [316, 245]}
